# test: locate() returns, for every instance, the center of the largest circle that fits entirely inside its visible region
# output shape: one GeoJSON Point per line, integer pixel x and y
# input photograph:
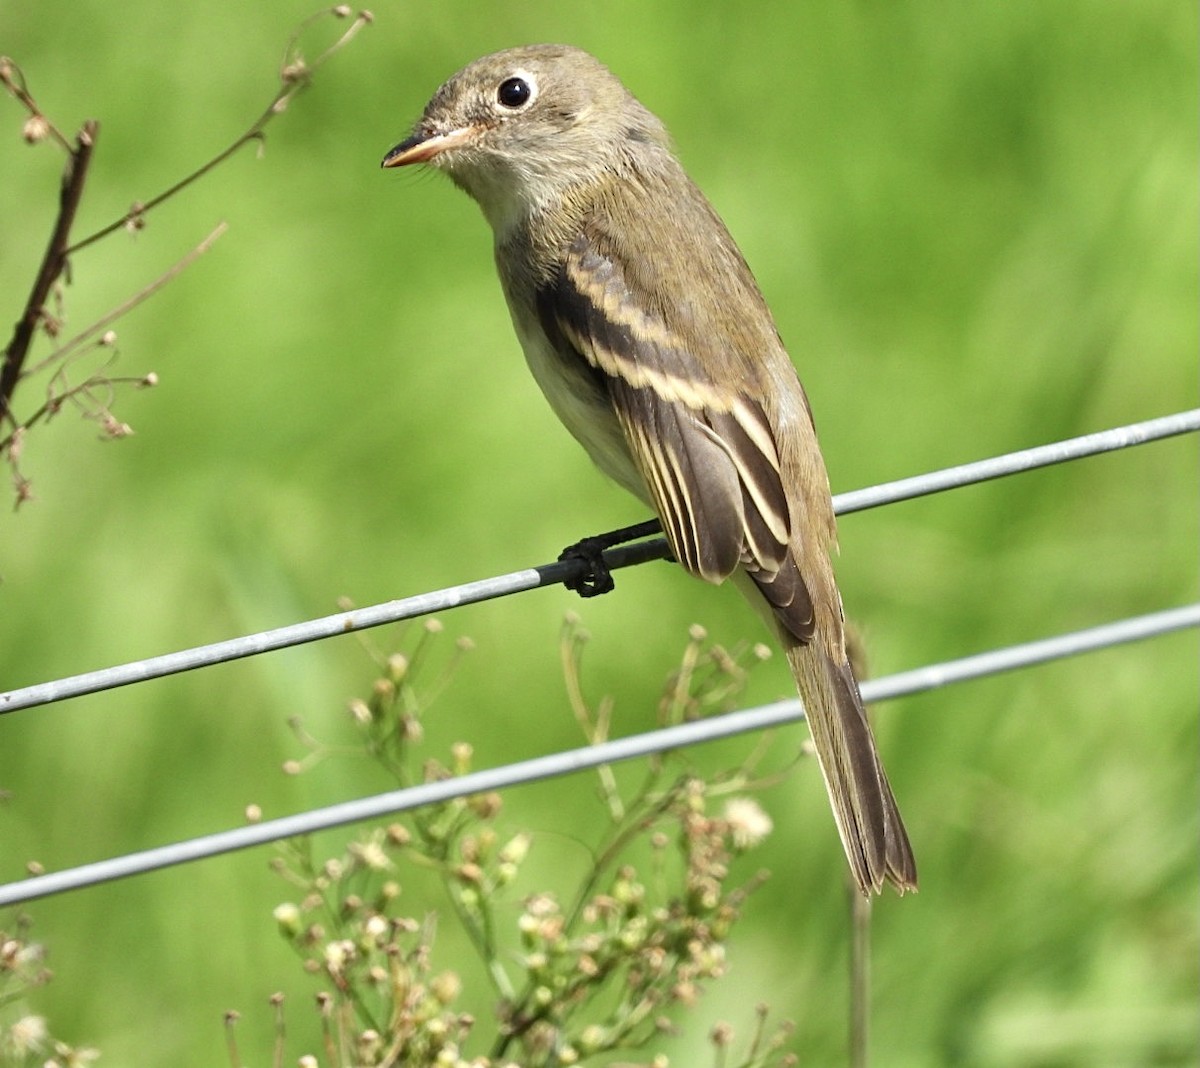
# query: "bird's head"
{"type": "Point", "coordinates": [521, 128]}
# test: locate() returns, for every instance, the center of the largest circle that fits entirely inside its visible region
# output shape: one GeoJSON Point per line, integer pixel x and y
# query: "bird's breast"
{"type": "Point", "coordinates": [577, 394]}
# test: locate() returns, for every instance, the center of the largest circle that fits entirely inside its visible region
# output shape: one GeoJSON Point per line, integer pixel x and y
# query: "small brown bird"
{"type": "Point", "coordinates": [647, 333]}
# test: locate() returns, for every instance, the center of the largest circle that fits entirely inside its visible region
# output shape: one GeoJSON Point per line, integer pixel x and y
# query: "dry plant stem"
{"type": "Point", "coordinates": [860, 979]}
{"type": "Point", "coordinates": [477, 923]}
{"type": "Point", "coordinates": [519, 1008]}
{"type": "Point", "coordinates": [51, 405]}
{"type": "Point", "coordinates": [295, 75]}
{"type": "Point", "coordinates": [13, 79]}
{"type": "Point", "coordinates": [327, 1038]}
{"type": "Point", "coordinates": [231, 1046]}
{"type": "Point", "coordinates": [128, 305]}
{"type": "Point", "coordinates": [54, 262]}
{"type": "Point", "coordinates": [860, 919]}
{"type": "Point", "coordinates": [279, 1048]}
{"type": "Point", "coordinates": [595, 728]}
{"type": "Point", "coordinates": [619, 842]}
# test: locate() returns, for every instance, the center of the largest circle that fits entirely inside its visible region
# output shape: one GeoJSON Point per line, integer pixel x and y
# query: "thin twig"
{"type": "Point", "coordinates": [860, 979]}
{"type": "Point", "coordinates": [51, 405]}
{"type": "Point", "coordinates": [126, 306]}
{"type": "Point", "coordinates": [295, 76]}
{"type": "Point", "coordinates": [13, 79]}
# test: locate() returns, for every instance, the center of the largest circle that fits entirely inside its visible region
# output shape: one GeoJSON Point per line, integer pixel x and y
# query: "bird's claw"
{"type": "Point", "coordinates": [596, 578]}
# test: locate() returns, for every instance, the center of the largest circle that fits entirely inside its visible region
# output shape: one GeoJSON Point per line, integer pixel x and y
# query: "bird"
{"type": "Point", "coordinates": [647, 332]}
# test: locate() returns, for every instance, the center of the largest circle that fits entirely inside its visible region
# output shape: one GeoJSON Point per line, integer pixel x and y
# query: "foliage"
{"type": "Point", "coordinates": [975, 226]}
{"type": "Point", "coordinates": [577, 972]}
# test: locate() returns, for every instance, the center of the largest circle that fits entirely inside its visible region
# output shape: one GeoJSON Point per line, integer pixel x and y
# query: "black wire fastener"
{"type": "Point", "coordinates": [595, 577]}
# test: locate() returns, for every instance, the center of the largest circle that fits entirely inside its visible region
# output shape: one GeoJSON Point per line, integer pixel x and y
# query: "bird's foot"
{"type": "Point", "coordinates": [597, 578]}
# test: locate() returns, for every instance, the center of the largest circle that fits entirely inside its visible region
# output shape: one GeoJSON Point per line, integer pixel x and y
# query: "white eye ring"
{"type": "Point", "coordinates": [516, 91]}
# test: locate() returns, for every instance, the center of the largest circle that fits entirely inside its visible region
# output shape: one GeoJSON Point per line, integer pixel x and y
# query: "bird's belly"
{"type": "Point", "coordinates": [570, 387]}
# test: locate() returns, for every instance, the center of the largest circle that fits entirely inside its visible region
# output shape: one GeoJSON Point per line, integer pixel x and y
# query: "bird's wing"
{"type": "Point", "coordinates": [709, 456]}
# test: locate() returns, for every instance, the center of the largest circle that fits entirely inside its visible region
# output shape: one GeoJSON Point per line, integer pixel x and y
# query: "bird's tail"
{"type": "Point", "coordinates": [868, 820]}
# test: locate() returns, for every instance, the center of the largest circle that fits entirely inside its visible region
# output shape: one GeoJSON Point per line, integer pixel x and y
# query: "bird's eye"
{"type": "Point", "coordinates": [514, 92]}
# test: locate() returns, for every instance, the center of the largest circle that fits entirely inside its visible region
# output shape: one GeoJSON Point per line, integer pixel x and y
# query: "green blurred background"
{"type": "Point", "coordinates": [976, 225]}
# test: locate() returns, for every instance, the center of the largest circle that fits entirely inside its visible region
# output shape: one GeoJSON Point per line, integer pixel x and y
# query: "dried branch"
{"type": "Point", "coordinates": [38, 126]}
{"type": "Point", "coordinates": [67, 349]}
{"type": "Point", "coordinates": [53, 264]}
{"type": "Point", "coordinates": [70, 349]}
{"type": "Point", "coordinates": [295, 75]}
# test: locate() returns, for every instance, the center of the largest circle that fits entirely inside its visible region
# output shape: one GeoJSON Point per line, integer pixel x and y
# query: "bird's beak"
{"type": "Point", "coordinates": [421, 147]}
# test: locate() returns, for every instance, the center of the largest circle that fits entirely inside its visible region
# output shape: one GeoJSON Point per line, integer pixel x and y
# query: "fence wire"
{"type": "Point", "coordinates": [561, 571]}
{"type": "Point", "coordinates": [571, 761]}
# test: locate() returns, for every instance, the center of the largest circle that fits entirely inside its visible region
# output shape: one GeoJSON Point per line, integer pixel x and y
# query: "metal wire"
{"type": "Point", "coordinates": [1013, 463]}
{"type": "Point", "coordinates": [611, 752]}
{"type": "Point", "coordinates": [552, 574]}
